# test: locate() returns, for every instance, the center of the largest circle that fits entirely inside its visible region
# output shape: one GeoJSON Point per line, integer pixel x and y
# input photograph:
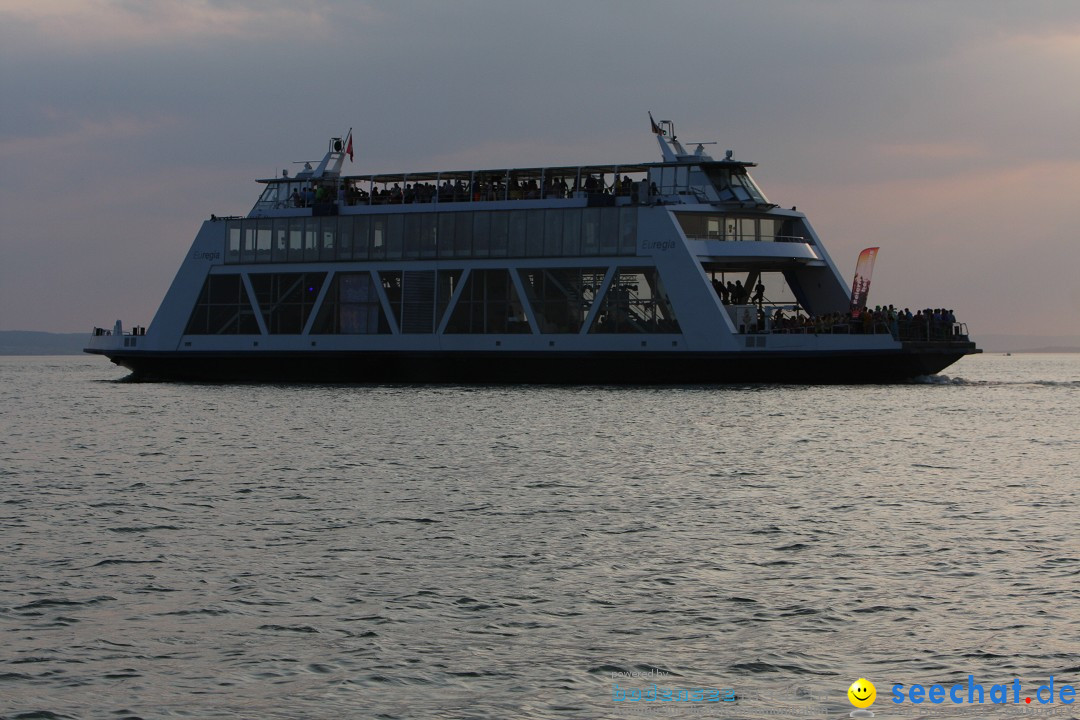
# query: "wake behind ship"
{"type": "Point", "coordinates": [678, 271]}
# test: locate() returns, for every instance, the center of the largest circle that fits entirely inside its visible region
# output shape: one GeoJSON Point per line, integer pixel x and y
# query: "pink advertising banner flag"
{"type": "Point", "coordinates": [860, 289]}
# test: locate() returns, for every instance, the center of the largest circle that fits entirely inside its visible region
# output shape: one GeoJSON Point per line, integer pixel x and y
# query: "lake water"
{"type": "Point", "coordinates": [262, 551]}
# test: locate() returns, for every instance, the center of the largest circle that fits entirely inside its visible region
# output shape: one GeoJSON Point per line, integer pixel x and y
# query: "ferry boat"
{"type": "Point", "coordinates": [676, 271]}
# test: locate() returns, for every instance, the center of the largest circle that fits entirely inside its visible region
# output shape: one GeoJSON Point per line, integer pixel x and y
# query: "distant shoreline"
{"type": "Point", "coordinates": [33, 342]}
{"type": "Point", "coordinates": [1040, 351]}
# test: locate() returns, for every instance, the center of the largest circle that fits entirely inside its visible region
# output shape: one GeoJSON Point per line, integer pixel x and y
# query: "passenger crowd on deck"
{"type": "Point", "coordinates": [735, 294]}
{"type": "Point", "coordinates": [483, 187]}
{"type": "Point", "coordinates": [928, 324]}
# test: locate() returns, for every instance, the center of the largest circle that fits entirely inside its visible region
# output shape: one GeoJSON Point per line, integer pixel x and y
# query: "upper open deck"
{"type": "Point", "coordinates": [681, 178]}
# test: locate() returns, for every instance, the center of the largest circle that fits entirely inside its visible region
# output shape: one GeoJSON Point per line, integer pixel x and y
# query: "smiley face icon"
{"type": "Point", "coordinates": [862, 693]}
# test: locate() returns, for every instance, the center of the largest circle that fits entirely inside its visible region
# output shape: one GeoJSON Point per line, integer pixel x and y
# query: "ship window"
{"type": "Point", "coordinates": [750, 186]}
{"type": "Point", "coordinates": [411, 225]}
{"type": "Point", "coordinates": [767, 229]}
{"type": "Point", "coordinates": [327, 237]}
{"type": "Point", "coordinates": [682, 179]}
{"type": "Point", "coordinates": [488, 304]}
{"type": "Point", "coordinates": [247, 249]}
{"type": "Point", "coordinates": [428, 235]}
{"type": "Point", "coordinates": [518, 230]}
{"type": "Point", "coordinates": [269, 197]}
{"type": "Point", "coordinates": [703, 227]}
{"type": "Point", "coordinates": [391, 281]}
{"type": "Point", "coordinates": [590, 231]}
{"type": "Point", "coordinates": [286, 299]}
{"type": "Point", "coordinates": [418, 302]}
{"type": "Point", "coordinates": [499, 225]}
{"type": "Point", "coordinates": [571, 233]}
{"type": "Point", "coordinates": [463, 235]}
{"type": "Point", "coordinates": [345, 238]}
{"type": "Point", "coordinates": [423, 296]}
{"type": "Point", "coordinates": [664, 178]}
{"type": "Point", "coordinates": [311, 239]}
{"type": "Point", "coordinates": [636, 302]}
{"type": "Point", "coordinates": [351, 307]}
{"type": "Point", "coordinates": [232, 240]}
{"type": "Point", "coordinates": [394, 231]}
{"type": "Point", "coordinates": [445, 236]}
{"type": "Point", "coordinates": [734, 185]}
{"type": "Point", "coordinates": [361, 241]}
{"type": "Point", "coordinates": [692, 224]}
{"type": "Point", "coordinates": [627, 231]}
{"type": "Point", "coordinates": [263, 236]}
{"type": "Point", "coordinates": [561, 297]}
{"type": "Point", "coordinates": [534, 244]}
{"type": "Point", "coordinates": [718, 227]}
{"type": "Point", "coordinates": [223, 308]}
{"type": "Point", "coordinates": [418, 299]}
{"type": "Point", "coordinates": [481, 238]}
{"type": "Point", "coordinates": [447, 283]}
{"type": "Point", "coordinates": [378, 237]}
{"type": "Point", "coordinates": [280, 250]}
{"type": "Point", "coordinates": [609, 231]}
{"type": "Point", "coordinates": [296, 240]}
{"type": "Point", "coordinates": [553, 229]}
{"type": "Point", "coordinates": [747, 230]}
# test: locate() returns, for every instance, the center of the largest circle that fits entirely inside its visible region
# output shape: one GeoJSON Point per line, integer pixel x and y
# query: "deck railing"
{"type": "Point", "coordinates": [923, 330]}
{"type": "Point", "coordinates": [748, 238]}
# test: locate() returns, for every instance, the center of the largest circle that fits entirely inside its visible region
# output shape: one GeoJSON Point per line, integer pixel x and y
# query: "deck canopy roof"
{"type": "Point", "coordinates": [567, 171]}
{"type": "Point", "coordinates": [516, 173]}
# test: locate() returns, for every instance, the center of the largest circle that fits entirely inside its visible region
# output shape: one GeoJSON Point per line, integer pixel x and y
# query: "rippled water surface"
{"type": "Point", "coordinates": [204, 551]}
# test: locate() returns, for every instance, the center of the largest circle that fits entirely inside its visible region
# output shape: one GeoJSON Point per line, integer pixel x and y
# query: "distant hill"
{"type": "Point", "coordinates": [1053, 350]}
{"type": "Point", "coordinates": [1028, 343]}
{"type": "Point", "coordinates": [28, 342]}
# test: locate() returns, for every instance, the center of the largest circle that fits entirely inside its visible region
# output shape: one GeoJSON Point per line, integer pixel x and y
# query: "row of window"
{"type": "Point", "coordinates": [558, 299]}
{"type": "Point", "coordinates": [395, 236]}
{"type": "Point", "coordinates": [740, 228]}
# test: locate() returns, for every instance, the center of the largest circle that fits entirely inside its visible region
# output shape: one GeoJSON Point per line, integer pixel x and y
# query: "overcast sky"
{"type": "Point", "coordinates": [947, 133]}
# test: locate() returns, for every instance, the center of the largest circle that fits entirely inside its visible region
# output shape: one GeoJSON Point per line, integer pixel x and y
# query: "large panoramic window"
{"type": "Point", "coordinates": [733, 184]}
{"type": "Point", "coordinates": [561, 297]}
{"type": "Point", "coordinates": [635, 303]}
{"type": "Point", "coordinates": [223, 308]}
{"type": "Point", "coordinates": [418, 298]}
{"type": "Point", "coordinates": [740, 228]}
{"type": "Point", "coordinates": [351, 307]}
{"type": "Point", "coordinates": [488, 304]}
{"type": "Point", "coordinates": [286, 299]}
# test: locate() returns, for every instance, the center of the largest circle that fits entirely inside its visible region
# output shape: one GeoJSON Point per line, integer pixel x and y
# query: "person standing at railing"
{"type": "Point", "coordinates": [721, 291]}
{"type": "Point", "coordinates": [759, 295]}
